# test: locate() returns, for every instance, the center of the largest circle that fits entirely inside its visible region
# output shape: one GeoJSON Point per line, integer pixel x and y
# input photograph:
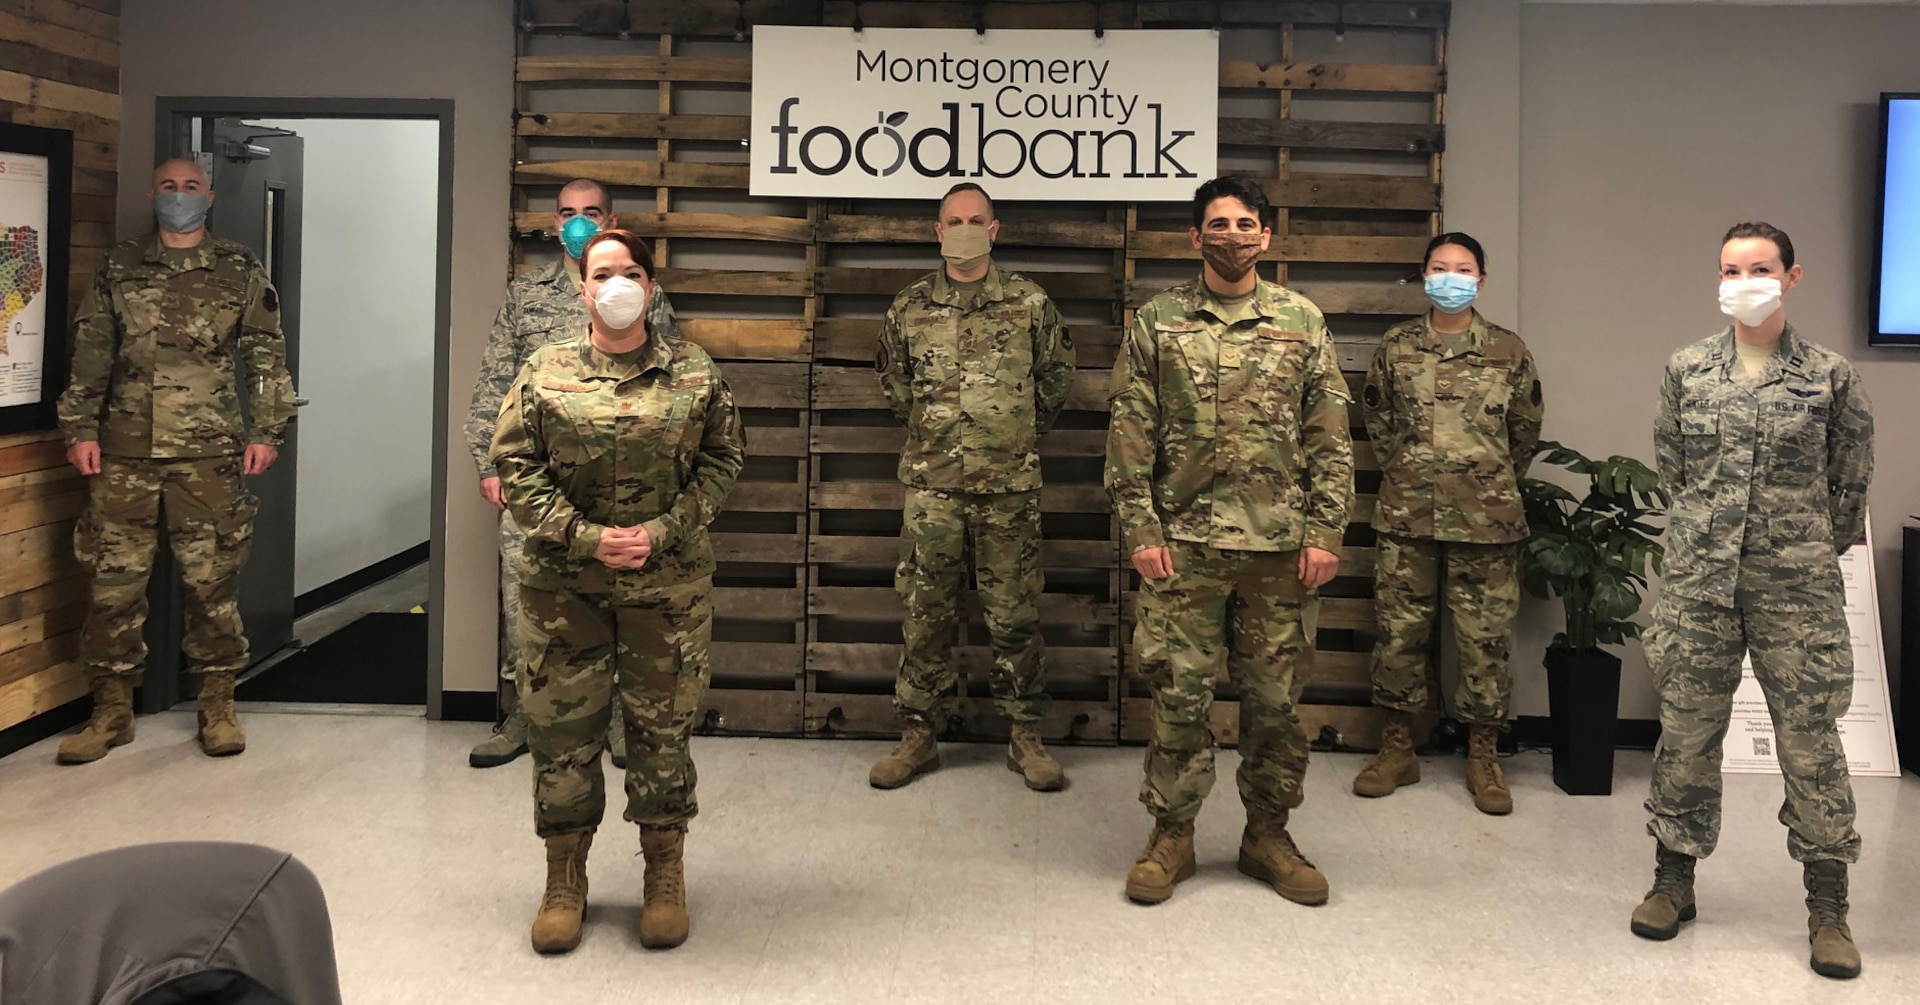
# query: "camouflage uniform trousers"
{"type": "Point", "coordinates": [1803, 661]}
{"type": "Point", "coordinates": [1482, 589]}
{"type": "Point", "coordinates": [208, 513]}
{"type": "Point", "coordinates": [513, 541]}
{"type": "Point", "coordinates": [1003, 531]}
{"type": "Point", "coordinates": [1248, 610]}
{"type": "Point", "coordinates": [581, 649]}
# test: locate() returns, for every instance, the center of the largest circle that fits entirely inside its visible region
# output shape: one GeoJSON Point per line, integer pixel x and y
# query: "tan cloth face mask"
{"type": "Point", "coordinates": [966, 245]}
{"type": "Point", "coordinates": [1230, 253]}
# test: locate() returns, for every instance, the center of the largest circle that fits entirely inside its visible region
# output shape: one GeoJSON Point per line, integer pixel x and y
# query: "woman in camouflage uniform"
{"type": "Point", "coordinates": [1765, 441]}
{"type": "Point", "coordinates": [615, 451]}
{"type": "Point", "coordinates": [1453, 408]}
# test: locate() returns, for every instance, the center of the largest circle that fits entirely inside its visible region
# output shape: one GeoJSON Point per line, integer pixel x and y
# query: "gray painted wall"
{"type": "Point", "coordinates": [1644, 133]}
{"type": "Point", "coordinates": [457, 49]}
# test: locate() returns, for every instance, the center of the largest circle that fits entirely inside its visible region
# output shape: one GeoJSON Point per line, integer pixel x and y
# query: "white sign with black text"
{"type": "Point", "coordinates": [1866, 731]}
{"type": "Point", "coordinates": [906, 113]}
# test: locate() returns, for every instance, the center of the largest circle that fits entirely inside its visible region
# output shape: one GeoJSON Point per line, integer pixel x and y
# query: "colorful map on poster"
{"type": "Point", "coordinates": [25, 283]}
{"type": "Point", "coordinates": [23, 273]}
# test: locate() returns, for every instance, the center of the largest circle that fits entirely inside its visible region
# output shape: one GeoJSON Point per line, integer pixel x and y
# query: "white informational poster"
{"type": "Point", "coordinates": [907, 113]}
{"type": "Point", "coordinates": [23, 277]}
{"type": "Point", "coordinates": [1866, 730]}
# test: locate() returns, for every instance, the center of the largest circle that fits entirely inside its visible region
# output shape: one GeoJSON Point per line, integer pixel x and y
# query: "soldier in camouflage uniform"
{"type": "Point", "coordinates": [1231, 469]}
{"type": "Point", "coordinates": [1453, 409]}
{"type": "Point", "coordinates": [152, 413]}
{"type": "Point", "coordinates": [1765, 441]}
{"type": "Point", "coordinates": [542, 306]}
{"type": "Point", "coordinates": [977, 363]}
{"type": "Point", "coordinates": [615, 451]}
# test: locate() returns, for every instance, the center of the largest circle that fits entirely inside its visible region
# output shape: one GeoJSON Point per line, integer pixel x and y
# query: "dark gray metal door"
{"type": "Point", "coordinates": [257, 184]}
{"type": "Point", "coordinates": [256, 174]}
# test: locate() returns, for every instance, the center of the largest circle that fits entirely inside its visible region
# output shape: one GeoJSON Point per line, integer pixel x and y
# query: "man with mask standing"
{"type": "Point", "coordinates": [977, 363]}
{"type": "Point", "coordinates": [542, 306]}
{"type": "Point", "coordinates": [152, 416]}
{"type": "Point", "coordinates": [1231, 469]}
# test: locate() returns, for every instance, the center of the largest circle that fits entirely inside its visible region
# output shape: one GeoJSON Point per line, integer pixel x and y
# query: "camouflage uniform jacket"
{"type": "Point", "coordinates": [976, 383]}
{"type": "Point", "coordinates": [1769, 480]}
{"type": "Point", "coordinates": [542, 306]}
{"type": "Point", "coordinates": [153, 354]}
{"type": "Point", "coordinates": [586, 442]}
{"type": "Point", "coordinates": [1454, 420]}
{"type": "Point", "coordinates": [1230, 424]}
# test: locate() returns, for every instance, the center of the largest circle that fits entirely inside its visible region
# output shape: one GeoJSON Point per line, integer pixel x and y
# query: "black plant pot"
{"type": "Point", "coordinates": [1583, 697]}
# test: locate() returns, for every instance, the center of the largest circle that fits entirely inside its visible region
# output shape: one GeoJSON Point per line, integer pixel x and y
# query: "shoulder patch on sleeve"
{"type": "Point", "coordinates": [1372, 394]}
{"type": "Point", "coordinates": [269, 299]}
{"type": "Point", "coordinates": [1535, 395]}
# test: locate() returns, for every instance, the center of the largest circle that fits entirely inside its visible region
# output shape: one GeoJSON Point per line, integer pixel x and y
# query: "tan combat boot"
{"type": "Point", "coordinates": [111, 724]}
{"type": "Point", "coordinates": [1167, 859]}
{"type": "Point", "coordinates": [1484, 778]}
{"type": "Point", "coordinates": [1670, 902]}
{"type": "Point", "coordinates": [1028, 756]}
{"type": "Point", "coordinates": [556, 929]}
{"type": "Point", "coordinates": [1834, 954]}
{"type": "Point", "coordinates": [1267, 853]}
{"type": "Point", "coordinates": [916, 753]}
{"type": "Point", "coordinates": [1395, 765]}
{"type": "Point", "coordinates": [663, 916]}
{"type": "Point", "coordinates": [220, 732]}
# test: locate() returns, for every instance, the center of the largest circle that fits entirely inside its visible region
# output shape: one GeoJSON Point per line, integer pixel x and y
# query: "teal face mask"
{"type": "Point", "coordinates": [1452, 292]}
{"type": "Point", "coordinates": [575, 234]}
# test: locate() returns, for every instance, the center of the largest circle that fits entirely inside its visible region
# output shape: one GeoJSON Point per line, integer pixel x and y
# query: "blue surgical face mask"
{"type": "Point", "coordinates": [575, 234]}
{"type": "Point", "coordinates": [1452, 292]}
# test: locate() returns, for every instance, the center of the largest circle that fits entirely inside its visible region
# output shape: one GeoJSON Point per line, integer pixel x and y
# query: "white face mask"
{"type": "Point", "coordinates": [1749, 301]}
{"type": "Point", "coordinates": [620, 302]}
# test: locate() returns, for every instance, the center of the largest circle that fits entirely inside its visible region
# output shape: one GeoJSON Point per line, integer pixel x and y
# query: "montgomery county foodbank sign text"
{"type": "Point", "coordinates": [1050, 91]}
{"type": "Point", "coordinates": [938, 114]}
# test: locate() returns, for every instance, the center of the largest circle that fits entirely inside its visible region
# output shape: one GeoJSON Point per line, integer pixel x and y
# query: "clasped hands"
{"type": "Point", "coordinates": [624, 547]}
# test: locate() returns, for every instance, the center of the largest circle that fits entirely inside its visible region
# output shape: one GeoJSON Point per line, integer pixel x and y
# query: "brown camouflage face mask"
{"type": "Point", "coordinates": [1230, 253]}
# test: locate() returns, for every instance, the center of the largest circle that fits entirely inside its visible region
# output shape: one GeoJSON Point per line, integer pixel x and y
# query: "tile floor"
{"type": "Point", "coordinates": [809, 886]}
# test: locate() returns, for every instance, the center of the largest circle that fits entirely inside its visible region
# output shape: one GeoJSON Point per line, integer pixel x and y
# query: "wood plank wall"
{"type": "Point", "coordinates": [60, 69]}
{"type": "Point", "coordinates": [1338, 107]}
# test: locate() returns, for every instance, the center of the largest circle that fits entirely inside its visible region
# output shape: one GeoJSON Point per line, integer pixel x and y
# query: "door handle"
{"type": "Point", "coordinates": [301, 402]}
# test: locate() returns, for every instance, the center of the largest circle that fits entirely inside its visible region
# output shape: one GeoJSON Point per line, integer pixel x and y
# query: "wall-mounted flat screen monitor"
{"type": "Point", "coordinates": [1896, 271]}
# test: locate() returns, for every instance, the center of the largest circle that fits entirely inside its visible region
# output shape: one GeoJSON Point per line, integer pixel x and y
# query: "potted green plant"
{"type": "Point", "coordinates": [1592, 554]}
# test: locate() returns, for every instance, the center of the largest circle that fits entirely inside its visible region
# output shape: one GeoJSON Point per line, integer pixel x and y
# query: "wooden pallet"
{"type": "Point", "coordinates": [651, 97]}
{"type": "Point", "coordinates": [43, 590]}
{"type": "Point", "coordinates": [59, 69]}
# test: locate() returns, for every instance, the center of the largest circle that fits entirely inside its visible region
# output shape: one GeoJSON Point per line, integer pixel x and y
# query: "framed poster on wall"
{"type": "Point", "coordinates": [36, 215]}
